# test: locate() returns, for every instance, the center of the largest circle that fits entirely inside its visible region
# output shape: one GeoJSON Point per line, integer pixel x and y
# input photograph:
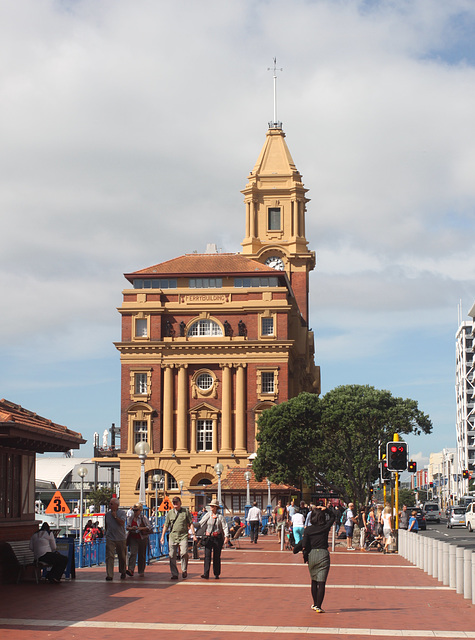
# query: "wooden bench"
{"type": "Point", "coordinates": [25, 558]}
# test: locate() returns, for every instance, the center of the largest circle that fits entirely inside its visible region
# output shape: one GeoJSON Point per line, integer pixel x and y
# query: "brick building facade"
{"type": "Point", "coordinates": [211, 340]}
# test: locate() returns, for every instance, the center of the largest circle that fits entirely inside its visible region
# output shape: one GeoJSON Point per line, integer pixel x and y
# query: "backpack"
{"type": "Point", "coordinates": [344, 516]}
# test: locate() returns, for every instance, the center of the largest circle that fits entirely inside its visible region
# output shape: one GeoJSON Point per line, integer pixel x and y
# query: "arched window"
{"type": "Point", "coordinates": [204, 328]}
{"type": "Point", "coordinates": [170, 481]}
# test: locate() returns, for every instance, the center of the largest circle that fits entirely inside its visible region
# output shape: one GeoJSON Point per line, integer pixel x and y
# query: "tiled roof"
{"type": "Point", "coordinates": [234, 480]}
{"type": "Point", "coordinates": [15, 421]}
{"type": "Point", "coordinates": [205, 263]}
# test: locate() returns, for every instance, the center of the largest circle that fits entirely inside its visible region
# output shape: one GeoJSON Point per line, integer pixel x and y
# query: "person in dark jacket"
{"type": "Point", "coordinates": [315, 552]}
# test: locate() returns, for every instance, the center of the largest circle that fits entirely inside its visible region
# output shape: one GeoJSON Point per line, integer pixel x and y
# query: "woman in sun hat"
{"type": "Point", "coordinates": [217, 535]}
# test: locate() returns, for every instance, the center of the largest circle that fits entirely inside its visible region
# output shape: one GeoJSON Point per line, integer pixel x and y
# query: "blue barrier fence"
{"type": "Point", "coordinates": [88, 554]}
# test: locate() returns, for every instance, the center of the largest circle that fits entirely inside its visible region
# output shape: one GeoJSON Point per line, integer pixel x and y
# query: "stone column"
{"type": "Point", "coordinates": [167, 408]}
{"type": "Point", "coordinates": [193, 434]}
{"type": "Point", "coordinates": [182, 422]}
{"type": "Point", "coordinates": [226, 410]}
{"type": "Point", "coordinates": [215, 434]}
{"type": "Point", "coordinates": [240, 445]}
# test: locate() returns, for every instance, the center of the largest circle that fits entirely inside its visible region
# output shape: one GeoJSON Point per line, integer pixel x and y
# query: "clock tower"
{"type": "Point", "coordinates": [275, 200]}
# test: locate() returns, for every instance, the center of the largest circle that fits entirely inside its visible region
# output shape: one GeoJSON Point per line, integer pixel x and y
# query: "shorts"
{"type": "Point", "coordinates": [279, 525]}
{"type": "Point", "coordinates": [349, 530]}
{"type": "Point", "coordinates": [386, 533]}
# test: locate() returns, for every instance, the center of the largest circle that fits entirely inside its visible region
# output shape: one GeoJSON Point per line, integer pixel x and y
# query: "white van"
{"type": "Point", "coordinates": [470, 517]}
{"type": "Point", "coordinates": [432, 511]}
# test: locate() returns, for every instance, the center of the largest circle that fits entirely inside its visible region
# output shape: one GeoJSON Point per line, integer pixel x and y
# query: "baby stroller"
{"type": "Point", "coordinates": [371, 541]}
{"type": "Point", "coordinates": [289, 539]}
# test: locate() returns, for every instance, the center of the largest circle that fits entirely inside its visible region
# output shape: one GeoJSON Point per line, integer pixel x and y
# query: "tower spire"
{"type": "Point", "coordinates": [275, 124]}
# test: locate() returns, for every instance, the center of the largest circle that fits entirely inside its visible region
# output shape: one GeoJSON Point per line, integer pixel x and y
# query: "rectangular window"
{"type": "Point", "coordinates": [273, 220]}
{"type": "Point", "coordinates": [256, 282]}
{"type": "Point", "coordinates": [267, 382]}
{"type": "Point", "coordinates": [141, 327]}
{"type": "Point", "coordinates": [204, 434]}
{"type": "Point", "coordinates": [206, 283]}
{"type": "Point", "coordinates": [140, 431]}
{"type": "Point", "coordinates": [267, 326]}
{"type": "Point", "coordinates": [141, 383]}
{"type": "Point", "coordinates": [156, 283]}
{"type": "Point", "coordinates": [10, 485]}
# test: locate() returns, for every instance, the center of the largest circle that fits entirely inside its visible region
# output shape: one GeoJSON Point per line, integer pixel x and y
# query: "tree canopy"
{"type": "Point", "coordinates": [333, 439]}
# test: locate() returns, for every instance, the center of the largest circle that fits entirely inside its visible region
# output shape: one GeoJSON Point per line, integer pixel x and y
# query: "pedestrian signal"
{"type": "Point", "coordinates": [385, 474]}
{"type": "Point", "coordinates": [465, 473]}
{"type": "Point", "coordinates": [412, 467]}
{"type": "Point", "coordinates": [396, 455]}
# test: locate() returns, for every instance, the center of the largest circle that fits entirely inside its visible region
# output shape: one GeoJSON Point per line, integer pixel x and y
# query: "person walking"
{"type": "Point", "coordinates": [280, 518]}
{"type": "Point", "coordinates": [413, 524]}
{"type": "Point", "coordinates": [350, 522]}
{"type": "Point", "coordinates": [254, 519]}
{"type": "Point", "coordinates": [315, 551]}
{"type": "Point", "coordinates": [386, 519]}
{"type": "Point", "coordinates": [404, 518]}
{"type": "Point", "coordinates": [298, 524]}
{"type": "Point", "coordinates": [43, 545]}
{"type": "Point", "coordinates": [217, 535]}
{"type": "Point", "coordinates": [179, 520]}
{"type": "Point", "coordinates": [115, 520]}
{"type": "Point", "coordinates": [138, 528]}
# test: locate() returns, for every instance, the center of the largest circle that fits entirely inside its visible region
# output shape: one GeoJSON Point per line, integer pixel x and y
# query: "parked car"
{"type": "Point", "coordinates": [470, 517]}
{"type": "Point", "coordinates": [420, 517]}
{"type": "Point", "coordinates": [455, 517]}
{"type": "Point", "coordinates": [432, 511]}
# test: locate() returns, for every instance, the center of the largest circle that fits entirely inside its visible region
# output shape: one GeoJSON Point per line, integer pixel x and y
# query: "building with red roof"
{"type": "Point", "coordinates": [211, 340]}
{"type": "Point", "coordinates": [23, 433]}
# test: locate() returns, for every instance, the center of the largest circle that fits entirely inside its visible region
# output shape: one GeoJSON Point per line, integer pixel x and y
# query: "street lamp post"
{"type": "Point", "coordinates": [269, 499]}
{"type": "Point", "coordinates": [219, 468]}
{"type": "Point", "coordinates": [156, 478]}
{"type": "Point", "coordinates": [182, 484]}
{"type": "Point", "coordinates": [247, 477]}
{"type": "Point", "coordinates": [142, 448]}
{"type": "Point", "coordinates": [82, 473]}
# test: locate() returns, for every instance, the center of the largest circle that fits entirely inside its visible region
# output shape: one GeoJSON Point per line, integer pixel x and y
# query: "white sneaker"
{"type": "Point", "coordinates": [350, 548]}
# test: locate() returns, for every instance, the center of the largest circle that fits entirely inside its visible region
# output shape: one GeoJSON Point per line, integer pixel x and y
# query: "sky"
{"type": "Point", "coordinates": [128, 129]}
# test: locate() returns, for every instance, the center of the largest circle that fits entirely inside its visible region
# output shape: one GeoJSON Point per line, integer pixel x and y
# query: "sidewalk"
{"type": "Point", "coordinates": [262, 592]}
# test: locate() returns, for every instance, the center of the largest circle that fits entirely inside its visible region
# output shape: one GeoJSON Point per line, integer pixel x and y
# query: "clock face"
{"type": "Point", "coordinates": [275, 262]}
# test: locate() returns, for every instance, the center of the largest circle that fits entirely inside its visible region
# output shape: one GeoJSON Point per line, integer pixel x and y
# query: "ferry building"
{"type": "Point", "coordinates": [211, 340]}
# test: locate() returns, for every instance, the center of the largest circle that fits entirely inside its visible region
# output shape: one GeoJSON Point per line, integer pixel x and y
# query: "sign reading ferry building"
{"type": "Point", "coordinates": [211, 340]}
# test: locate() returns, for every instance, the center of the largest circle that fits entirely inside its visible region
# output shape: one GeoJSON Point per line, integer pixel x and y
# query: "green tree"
{"type": "Point", "coordinates": [407, 497]}
{"type": "Point", "coordinates": [355, 419]}
{"type": "Point", "coordinates": [333, 439]}
{"type": "Point", "coordinates": [289, 439]}
{"type": "Point", "coordinates": [100, 496]}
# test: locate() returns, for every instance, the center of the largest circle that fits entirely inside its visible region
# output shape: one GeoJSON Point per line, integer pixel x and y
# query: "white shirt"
{"type": "Point", "coordinates": [42, 542]}
{"type": "Point", "coordinates": [254, 514]}
{"type": "Point", "coordinates": [298, 520]}
{"type": "Point", "coordinates": [349, 522]}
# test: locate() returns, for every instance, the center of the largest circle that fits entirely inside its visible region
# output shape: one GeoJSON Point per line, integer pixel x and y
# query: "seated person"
{"type": "Point", "coordinates": [233, 528]}
{"type": "Point", "coordinates": [43, 545]}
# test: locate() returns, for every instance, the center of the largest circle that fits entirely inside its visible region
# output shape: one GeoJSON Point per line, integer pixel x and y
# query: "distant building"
{"type": "Point", "coordinates": [211, 340]}
{"type": "Point", "coordinates": [465, 400]}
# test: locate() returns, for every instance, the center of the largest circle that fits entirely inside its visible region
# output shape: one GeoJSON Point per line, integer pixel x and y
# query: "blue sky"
{"type": "Point", "coordinates": [128, 130]}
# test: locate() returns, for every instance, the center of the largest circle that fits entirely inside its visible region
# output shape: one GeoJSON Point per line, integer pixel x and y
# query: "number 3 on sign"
{"type": "Point", "coordinates": [57, 504]}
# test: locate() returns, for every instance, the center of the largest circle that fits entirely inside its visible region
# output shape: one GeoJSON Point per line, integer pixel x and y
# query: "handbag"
{"type": "Point", "coordinates": [204, 541]}
{"type": "Point", "coordinates": [208, 536]}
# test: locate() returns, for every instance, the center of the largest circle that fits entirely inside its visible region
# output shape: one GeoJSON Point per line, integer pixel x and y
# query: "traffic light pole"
{"type": "Point", "coordinates": [396, 492]}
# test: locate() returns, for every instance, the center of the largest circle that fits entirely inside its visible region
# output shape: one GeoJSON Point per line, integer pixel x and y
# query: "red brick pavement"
{"type": "Point", "coordinates": [260, 587]}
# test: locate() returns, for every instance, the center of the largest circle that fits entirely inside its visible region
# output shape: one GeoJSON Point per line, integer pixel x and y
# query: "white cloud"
{"type": "Point", "coordinates": [128, 129]}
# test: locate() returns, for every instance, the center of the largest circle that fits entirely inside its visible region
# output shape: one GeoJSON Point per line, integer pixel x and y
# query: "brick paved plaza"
{"type": "Point", "coordinates": [263, 592]}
